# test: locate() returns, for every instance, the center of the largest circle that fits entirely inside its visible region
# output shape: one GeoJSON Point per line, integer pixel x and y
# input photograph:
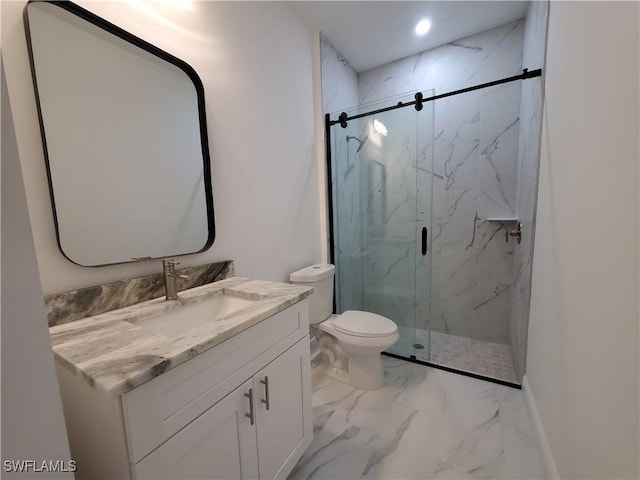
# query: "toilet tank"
{"type": "Point", "coordinates": [320, 277]}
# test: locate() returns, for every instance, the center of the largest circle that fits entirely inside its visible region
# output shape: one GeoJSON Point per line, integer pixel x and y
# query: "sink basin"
{"type": "Point", "coordinates": [186, 317]}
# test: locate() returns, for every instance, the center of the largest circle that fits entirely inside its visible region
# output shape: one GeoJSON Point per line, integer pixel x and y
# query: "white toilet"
{"type": "Point", "coordinates": [358, 336]}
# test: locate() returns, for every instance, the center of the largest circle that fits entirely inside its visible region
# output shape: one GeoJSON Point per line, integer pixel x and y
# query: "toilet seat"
{"type": "Point", "coordinates": [364, 324]}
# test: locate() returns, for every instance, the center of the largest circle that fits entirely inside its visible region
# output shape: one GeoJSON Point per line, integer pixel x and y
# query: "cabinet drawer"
{"type": "Point", "coordinates": [161, 407]}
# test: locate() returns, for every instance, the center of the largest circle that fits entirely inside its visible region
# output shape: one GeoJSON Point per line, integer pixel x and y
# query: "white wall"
{"type": "Point", "coordinates": [255, 61]}
{"type": "Point", "coordinates": [32, 420]}
{"type": "Point", "coordinates": [582, 361]}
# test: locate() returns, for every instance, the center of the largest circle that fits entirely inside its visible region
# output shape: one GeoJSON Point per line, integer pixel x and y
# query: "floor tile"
{"type": "Point", "coordinates": [424, 423]}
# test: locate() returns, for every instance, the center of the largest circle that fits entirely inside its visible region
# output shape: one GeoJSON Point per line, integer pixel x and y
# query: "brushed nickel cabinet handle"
{"type": "Point", "coordinates": [265, 400]}
{"type": "Point", "coordinates": [250, 414]}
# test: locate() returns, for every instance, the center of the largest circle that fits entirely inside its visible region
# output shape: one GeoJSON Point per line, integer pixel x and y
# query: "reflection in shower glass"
{"type": "Point", "coordinates": [382, 201]}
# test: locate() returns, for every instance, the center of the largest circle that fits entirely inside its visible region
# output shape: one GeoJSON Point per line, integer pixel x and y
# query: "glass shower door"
{"type": "Point", "coordinates": [382, 213]}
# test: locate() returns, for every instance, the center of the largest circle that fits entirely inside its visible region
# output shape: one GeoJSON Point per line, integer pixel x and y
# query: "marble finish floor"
{"type": "Point", "coordinates": [425, 423]}
{"type": "Point", "coordinates": [467, 354]}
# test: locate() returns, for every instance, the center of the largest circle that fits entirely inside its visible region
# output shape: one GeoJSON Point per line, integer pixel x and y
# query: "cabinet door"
{"type": "Point", "coordinates": [285, 429]}
{"type": "Point", "coordinates": [219, 444]}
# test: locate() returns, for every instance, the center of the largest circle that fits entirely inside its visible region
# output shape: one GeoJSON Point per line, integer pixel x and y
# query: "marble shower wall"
{"type": "Point", "coordinates": [376, 233]}
{"type": "Point", "coordinates": [389, 204]}
{"type": "Point", "coordinates": [340, 93]}
{"type": "Point", "coordinates": [339, 80]}
{"type": "Point", "coordinates": [475, 164]}
{"type": "Point", "coordinates": [348, 225]}
{"type": "Point", "coordinates": [375, 246]}
{"type": "Point", "coordinates": [527, 179]}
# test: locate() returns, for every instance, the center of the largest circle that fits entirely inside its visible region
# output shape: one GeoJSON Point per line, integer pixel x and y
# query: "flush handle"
{"type": "Point", "coordinates": [424, 240]}
{"type": "Point", "coordinates": [250, 415]}
{"type": "Point", "coordinates": [265, 400]}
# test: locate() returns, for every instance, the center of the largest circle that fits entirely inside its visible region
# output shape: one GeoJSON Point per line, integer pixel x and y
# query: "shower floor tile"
{"type": "Point", "coordinates": [424, 423]}
{"type": "Point", "coordinates": [467, 354]}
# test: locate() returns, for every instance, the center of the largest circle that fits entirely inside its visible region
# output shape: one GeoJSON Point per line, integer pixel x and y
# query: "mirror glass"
{"type": "Point", "coordinates": [125, 140]}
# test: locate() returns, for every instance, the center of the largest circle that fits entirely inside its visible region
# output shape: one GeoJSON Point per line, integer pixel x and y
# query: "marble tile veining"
{"type": "Point", "coordinates": [425, 423]}
{"type": "Point", "coordinates": [448, 168]}
{"type": "Point", "coordinates": [527, 178]}
{"type": "Point", "coordinates": [113, 354]}
{"type": "Point", "coordinates": [339, 80]}
{"type": "Point", "coordinates": [85, 302]}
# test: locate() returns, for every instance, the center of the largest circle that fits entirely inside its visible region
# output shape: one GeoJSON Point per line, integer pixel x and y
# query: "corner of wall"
{"type": "Point", "coordinates": [543, 445]}
{"type": "Point", "coordinates": [33, 424]}
{"type": "Point", "coordinates": [316, 58]}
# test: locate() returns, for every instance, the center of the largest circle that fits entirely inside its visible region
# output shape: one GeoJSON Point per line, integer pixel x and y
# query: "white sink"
{"type": "Point", "coordinates": [186, 317]}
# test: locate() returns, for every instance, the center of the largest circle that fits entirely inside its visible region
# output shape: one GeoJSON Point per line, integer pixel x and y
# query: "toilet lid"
{"type": "Point", "coordinates": [364, 324]}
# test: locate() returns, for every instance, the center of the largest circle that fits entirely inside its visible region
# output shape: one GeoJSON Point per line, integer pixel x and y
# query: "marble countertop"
{"type": "Point", "coordinates": [111, 353]}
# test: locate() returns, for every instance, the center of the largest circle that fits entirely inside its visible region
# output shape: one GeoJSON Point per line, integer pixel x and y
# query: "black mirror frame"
{"type": "Point", "coordinates": [152, 49]}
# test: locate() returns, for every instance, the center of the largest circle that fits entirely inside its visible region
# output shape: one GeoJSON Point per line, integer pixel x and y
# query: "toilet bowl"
{"type": "Point", "coordinates": [354, 337]}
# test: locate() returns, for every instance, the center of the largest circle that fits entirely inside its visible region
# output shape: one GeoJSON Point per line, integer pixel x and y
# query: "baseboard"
{"type": "Point", "coordinates": [543, 442]}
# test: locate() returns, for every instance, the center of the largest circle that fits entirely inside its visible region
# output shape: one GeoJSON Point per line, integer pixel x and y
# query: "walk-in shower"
{"type": "Point", "coordinates": [426, 203]}
{"type": "Point", "coordinates": [412, 240]}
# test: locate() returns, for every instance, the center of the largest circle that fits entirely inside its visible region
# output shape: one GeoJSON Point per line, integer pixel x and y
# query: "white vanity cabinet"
{"type": "Point", "coordinates": [239, 410]}
{"type": "Point", "coordinates": [219, 444]}
{"type": "Point", "coordinates": [238, 437]}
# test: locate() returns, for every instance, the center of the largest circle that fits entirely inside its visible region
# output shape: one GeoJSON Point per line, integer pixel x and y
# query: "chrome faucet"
{"type": "Point", "coordinates": [170, 275]}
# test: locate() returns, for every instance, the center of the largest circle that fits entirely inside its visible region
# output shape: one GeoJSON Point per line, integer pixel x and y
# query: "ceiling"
{"type": "Point", "coordinates": [372, 33]}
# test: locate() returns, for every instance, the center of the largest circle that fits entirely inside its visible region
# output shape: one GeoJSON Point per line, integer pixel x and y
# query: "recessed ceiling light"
{"type": "Point", "coordinates": [423, 26]}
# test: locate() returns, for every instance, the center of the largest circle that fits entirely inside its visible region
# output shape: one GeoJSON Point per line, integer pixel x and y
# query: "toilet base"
{"type": "Point", "coordinates": [360, 355]}
{"type": "Point", "coordinates": [335, 373]}
{"type": "Point", "coordinates": [356, 376]}
{"type": "Point", "coordinates": [365, 372]}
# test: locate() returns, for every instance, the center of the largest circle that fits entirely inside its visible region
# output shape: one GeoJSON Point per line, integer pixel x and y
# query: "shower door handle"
{"type": "Point", "coordinates": [424, 240]}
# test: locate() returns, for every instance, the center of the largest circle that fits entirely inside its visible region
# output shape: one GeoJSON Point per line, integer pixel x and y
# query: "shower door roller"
{"type": "Point", "coordinates": [424, 240]}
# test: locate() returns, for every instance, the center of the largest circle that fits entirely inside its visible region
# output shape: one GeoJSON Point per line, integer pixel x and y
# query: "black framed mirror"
{"type": "Point", "coordinates": [125, 139]}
